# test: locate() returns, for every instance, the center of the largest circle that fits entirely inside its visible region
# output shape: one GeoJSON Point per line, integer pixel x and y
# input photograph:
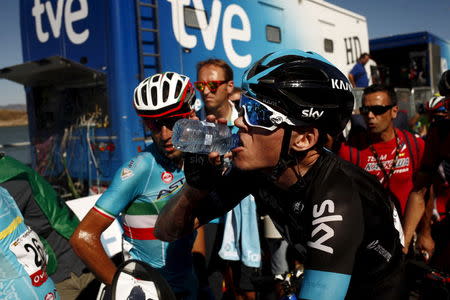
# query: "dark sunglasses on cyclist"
{"type": "Point", "coordinates": [260, 115]}
{"type": "Point", "coordinates": [157, 124]}
{"type": "Point", "coordinates": [213, 85]}
{"type": "Point", "coordinates": [375, 109]}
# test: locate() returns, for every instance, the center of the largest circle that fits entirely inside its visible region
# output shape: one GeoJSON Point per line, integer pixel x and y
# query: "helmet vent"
{"type": "Point", "coordinates": [169, 75]}
{"type": "Point", "coordinates": [165, 91]}
{"type": "Point", "coordinates": [284, 60]}
{"type": "Point", "coordinates": [307, 74]}
{"type": "Point", "coordinates": [154, 93]}
{"type": "Point", "coordinates": [178, 89]}
{"type": "Point", "coordinates": [144, 96]}
{"type": "Point", "coordinates": [155, 78]}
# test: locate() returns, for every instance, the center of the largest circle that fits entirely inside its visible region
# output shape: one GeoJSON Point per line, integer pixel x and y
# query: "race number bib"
{"type": "Point", "coordinates": [30, 253]}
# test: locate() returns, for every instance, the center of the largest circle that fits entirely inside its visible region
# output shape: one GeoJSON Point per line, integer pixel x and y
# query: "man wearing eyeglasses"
{"type": "Point", "coordinates": [391, 154]}
{"type": "Point", "coordinates": [222, 250]}
{"type": "Point", "coordinates": [337, 217]}
{"type": "Point", "coordinates": [141, 187]}
{"type": "Point", "coordinates": [215, 84]}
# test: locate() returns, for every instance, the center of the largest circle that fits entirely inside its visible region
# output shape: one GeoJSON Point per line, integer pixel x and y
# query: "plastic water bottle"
{"type": "Point", "coordinates": [203, 137]}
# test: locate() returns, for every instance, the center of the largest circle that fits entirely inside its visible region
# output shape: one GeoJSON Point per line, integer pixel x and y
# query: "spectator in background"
{"type": "Point", "coordinates": [436, 154]}
{"type": "Point", "coordinates": [391, 154]}
{"type": "Point", "coordinates": [358, 74]}
{"type": "Point", "coordinates": [235, 96]}
{"type": "Point", "coordinates": [231, 242]}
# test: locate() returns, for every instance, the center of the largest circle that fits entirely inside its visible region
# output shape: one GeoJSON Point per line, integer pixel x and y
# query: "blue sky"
{"type": "Point", "coordinates": [384, 17]}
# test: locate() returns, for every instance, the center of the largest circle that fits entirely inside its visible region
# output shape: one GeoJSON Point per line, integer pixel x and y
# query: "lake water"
{"type": "Point", "coordinates": [16, 134]}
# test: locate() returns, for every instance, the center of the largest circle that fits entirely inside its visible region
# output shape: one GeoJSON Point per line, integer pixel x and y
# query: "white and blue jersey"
{"type": "Point", "coordinates": [139, 190]}
{"type": "Point", "coordinates": [22, 257]}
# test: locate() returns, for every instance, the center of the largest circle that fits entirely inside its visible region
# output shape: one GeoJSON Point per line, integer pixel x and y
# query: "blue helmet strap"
{"type": "Point", "coordinates": [285, 159]}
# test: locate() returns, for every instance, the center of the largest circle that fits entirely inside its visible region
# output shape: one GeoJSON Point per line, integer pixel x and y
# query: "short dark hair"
{"type": "Point", "coordinates": [381, 88]}
{"type": "Point", "coordinates": [218, 63]}
{"type": "Point", "coordinates": [363, 55]}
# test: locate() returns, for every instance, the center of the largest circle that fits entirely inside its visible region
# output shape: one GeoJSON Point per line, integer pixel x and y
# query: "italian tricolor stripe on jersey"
{"type": "Point", "coordinates": [139, 227]}
{"type": "Point", "coordinates": [104, 213]}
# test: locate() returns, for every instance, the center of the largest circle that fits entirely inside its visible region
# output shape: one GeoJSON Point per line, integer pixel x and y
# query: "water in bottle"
{"type": "Point", "coordinates": [202, 137]}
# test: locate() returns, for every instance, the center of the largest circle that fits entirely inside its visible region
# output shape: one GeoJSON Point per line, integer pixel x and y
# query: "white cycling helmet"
{"type": "Point", "coordinates": [164, 95]}
{"type": "Point", "coordinates": [436, 104]}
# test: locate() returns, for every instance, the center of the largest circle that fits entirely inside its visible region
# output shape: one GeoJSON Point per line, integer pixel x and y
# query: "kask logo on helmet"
{"type": "Point", "coordinates": [340, 85]}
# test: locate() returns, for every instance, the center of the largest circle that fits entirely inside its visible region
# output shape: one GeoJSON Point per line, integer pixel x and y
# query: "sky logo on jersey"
{"type": "Point", "coordinates": [167, 177]}
{"type": "Point", "coordinates": [126, 173]}
{"type": "Point", "coordinates": [319, 224]}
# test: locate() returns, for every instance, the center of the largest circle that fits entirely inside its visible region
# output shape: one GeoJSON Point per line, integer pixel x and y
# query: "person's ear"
{"type": "Point", "coordinates": [305, 139]}
{"type": "Point", "coordinates": [230, 87]}
{"type": "Point", "coordinates": [394, 112]}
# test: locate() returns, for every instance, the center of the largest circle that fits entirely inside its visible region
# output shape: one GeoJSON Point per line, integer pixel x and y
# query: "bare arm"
{"type": "Point", "coordinates": [86, 243]}
{"type": "Point", "coordinates": [352, 80]}
{"type": "Point", "coordinates": [415, 208]}
{"type": "Point", "coordinates": [425, 241]}
{"type": "Point", "coordinates": [177, 217]}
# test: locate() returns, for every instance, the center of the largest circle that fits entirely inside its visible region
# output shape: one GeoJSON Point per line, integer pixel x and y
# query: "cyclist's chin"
{"type": "Point", "coordinates": [173, 154]}
{"type": "Point", "coordinates": [242, 162]}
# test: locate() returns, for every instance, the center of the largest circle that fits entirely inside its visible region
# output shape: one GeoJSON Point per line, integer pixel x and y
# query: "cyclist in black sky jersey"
{"type": "Point", "coordinates": [338, 218]}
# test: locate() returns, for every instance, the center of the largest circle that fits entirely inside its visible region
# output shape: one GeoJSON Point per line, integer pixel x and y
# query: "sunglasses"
{"type": "Point", "coordinates": [375, 109]}
{"type": "Point", "coordinates": [157, 124]}
{"type": "Point", "coordinates": [213, 85]}
{"type": "Point", "coordinates": [260, 115]}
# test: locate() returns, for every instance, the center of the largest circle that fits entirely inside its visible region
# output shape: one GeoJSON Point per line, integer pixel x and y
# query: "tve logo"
{"type": "Point", "coordinates": [55, 17]}
{"type": "Point", "coordinates": [209, 29]}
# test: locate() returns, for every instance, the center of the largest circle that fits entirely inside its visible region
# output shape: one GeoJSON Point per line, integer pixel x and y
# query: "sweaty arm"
{"type": "Point", "coordinates": [86, 243]}
{"type": "Point", "coordinates": [337, 231]}
{"type": "Point", "coordinates": [127, 183]}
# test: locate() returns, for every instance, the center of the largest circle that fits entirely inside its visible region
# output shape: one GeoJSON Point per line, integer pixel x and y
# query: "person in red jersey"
{"type": "Point", "coordinates": [391, 154]}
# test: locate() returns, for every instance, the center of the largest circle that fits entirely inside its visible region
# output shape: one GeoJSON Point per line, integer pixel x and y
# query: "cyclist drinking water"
{"type": "Point", "coordinates": [338, 217]}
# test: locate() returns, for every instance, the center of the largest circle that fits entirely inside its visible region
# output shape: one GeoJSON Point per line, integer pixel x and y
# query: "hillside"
{"type": "Point", "coordinates": [9, 117]}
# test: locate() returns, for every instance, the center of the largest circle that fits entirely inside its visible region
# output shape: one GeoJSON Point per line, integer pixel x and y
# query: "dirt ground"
{"type": "Point", "coordinates": [13, 118]}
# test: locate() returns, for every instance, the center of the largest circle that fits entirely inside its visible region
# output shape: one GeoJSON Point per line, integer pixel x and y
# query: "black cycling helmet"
{"type": "Point", "coordinates": [444, 84]}
{"type": "Point", "coordinates": [303, 86]}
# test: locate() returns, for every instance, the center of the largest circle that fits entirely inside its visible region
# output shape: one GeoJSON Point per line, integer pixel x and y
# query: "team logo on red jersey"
{"type": "Point", "coordinates": [167, 177]}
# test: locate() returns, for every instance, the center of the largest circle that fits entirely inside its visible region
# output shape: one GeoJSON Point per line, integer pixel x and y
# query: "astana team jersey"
{"type": "Point", "coordinates": [22, 258]}
{"type": "Point", "coordinates": [138, 192]}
